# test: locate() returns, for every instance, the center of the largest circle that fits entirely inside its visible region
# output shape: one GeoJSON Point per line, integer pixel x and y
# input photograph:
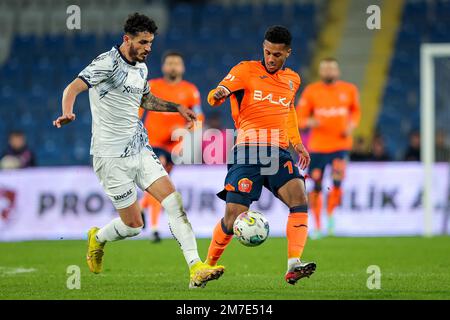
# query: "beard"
{"type": "Point", "coordinates": [134, 55]}
{"type": "Point", "coordinates": [172, 76]}
{"type": "Point", "coordinates": [328, 80]}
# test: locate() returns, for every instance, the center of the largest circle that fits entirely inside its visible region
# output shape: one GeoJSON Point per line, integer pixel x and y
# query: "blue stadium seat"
{"type": "Point", "coordinates": [400, 102]}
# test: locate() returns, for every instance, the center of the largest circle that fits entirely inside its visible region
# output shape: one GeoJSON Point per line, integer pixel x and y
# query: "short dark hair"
{"type": "Point", "coordinates": [329, 59]}
{"type": "Point", "coordinates": [139, 23]}
{"type": "Point", "coordinates": [278, 34]}
{"type": "Point", "coordinates": [16, 133]}
{"type": "Point", "coordinates": [171, 53]}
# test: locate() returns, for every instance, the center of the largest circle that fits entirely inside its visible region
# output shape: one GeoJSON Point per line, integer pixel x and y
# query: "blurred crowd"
{"type": "Point", "coordinates": [17, 154]}
{"type": "Point", "coordinates": [377, 151]}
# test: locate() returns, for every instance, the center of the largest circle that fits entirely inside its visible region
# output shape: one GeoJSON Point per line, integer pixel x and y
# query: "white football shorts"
{"type": "Point", "coordinates": [119, 176]}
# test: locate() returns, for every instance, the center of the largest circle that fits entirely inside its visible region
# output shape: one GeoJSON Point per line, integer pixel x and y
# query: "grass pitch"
{"type": "Point", "coordinates": [411, 268]}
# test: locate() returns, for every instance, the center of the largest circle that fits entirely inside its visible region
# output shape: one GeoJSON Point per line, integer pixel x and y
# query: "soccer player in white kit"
{"type": "Point", "coordinates": [122, 157]}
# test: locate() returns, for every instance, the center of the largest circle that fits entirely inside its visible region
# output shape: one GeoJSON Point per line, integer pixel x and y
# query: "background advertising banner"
{"type": "Point", "coordinates": [63, 203]}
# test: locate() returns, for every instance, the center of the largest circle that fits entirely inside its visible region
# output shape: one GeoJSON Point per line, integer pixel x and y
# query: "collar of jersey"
{"type": "Point", "coordinates": [123, 57]}
{"type": "Point", "coordinates": [329, 85]}
{"type": "Point", "coordinates": [271, 73]}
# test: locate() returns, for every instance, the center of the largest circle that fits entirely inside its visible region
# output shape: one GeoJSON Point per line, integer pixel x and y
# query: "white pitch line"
{"type": "Point", "coordinates": [8, 271]}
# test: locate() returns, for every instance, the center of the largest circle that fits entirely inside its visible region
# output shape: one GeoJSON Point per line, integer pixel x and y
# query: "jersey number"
{"type": "Point", "coordinates": [289, 166]}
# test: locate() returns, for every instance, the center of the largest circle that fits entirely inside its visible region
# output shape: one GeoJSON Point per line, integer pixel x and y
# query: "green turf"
{"type": "Point", "coordinates": [412, 268]}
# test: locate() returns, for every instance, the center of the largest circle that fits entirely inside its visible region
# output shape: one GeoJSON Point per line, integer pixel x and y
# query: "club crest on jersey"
{"type": "Point", "coordinates": [291, 85]}
{"type": "Point", "coordinates": [141, 72]}
{"type": "Point", "coordinates": [258, 95]}
{"type": "Point", "coordinates": [245, 185]}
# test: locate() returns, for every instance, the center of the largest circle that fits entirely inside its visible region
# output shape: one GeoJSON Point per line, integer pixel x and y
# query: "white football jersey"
{"type": "Point", "coordinates": [116, 86]}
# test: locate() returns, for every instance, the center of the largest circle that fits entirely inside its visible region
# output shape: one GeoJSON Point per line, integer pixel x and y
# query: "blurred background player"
{"type": "Point", "coordinates": [160, 125]}
{"type": "Point", "coordinates": [262, 97]}
{"type": "Point", "coordinates": [330, 109]}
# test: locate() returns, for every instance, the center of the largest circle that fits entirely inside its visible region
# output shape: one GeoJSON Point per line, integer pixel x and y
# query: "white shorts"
{"type": "Point", "coordinates": [119, 176]}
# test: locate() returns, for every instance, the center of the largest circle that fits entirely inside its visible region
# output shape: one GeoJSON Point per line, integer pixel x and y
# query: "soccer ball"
{"type": "Point", "coordinates": [251, 228]}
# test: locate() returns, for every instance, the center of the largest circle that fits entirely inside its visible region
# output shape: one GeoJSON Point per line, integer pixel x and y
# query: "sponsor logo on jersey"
{"type": "Point", "coordinates": [258, 95]}
{"type": "Point", "coordinates": [329, 112]}
{"type": "Point", "coordinates": [132, 90]}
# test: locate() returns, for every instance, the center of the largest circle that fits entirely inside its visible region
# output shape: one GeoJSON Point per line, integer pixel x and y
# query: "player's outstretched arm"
{"type": "Point", "coordinates": [153, 103]}
{"type": "Point", "coordinates": [69, 95]}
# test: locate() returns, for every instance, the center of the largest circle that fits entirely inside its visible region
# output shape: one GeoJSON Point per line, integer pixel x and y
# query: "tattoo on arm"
{"type": "Point", "coordinates": [152, 103]}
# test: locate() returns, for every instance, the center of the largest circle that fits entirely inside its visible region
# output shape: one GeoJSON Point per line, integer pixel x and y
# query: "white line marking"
{"type": "Point", "coordinates": [8, 271]}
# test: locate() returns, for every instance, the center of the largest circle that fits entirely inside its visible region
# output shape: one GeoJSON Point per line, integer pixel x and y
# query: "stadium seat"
{"type": "Point", "coordinates": [421, 22]}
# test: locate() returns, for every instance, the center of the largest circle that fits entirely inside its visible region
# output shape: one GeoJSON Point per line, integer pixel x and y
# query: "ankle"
{"type": "Point", "coordinates": [292, 261]}
{"type": "Point", "coordinates": [211, 262]}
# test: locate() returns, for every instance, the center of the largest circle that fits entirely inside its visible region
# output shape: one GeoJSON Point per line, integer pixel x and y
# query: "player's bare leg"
{"type": "Point", "coordinates": [129, 224]}
{"type": "Point", "coordinates": [200, 273]}
{"type": "Point", "coordinates": [293, 194]}
{"type": "Point", "coordinates": [223, 232]}
{"type": "Point", "coordinates": [335, 194]}
{"type": "Point", "coordinates": [315, 201]}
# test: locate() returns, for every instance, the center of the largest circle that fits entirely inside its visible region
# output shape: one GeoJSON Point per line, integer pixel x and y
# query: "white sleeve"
{"type": "Point", "coordinates": [99, 70]}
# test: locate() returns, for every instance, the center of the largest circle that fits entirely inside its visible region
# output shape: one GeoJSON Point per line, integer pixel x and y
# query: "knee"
{"type": "Point", "coordinates": [135, 224]}
{"type": "Point", "coordinates": [338, 167]}
{"type": "Point", "coordinates": [134, 221]}
{"type": "Point", "coordinates": [316, 176]}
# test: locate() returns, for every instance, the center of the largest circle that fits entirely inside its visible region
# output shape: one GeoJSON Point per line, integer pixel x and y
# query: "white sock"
{"type": "Point", "coordinates": [116, 230]}
{"type": "Point", "coordinates": [292, 262]}
{"type": "Point", "coordinates": [180, 227]}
